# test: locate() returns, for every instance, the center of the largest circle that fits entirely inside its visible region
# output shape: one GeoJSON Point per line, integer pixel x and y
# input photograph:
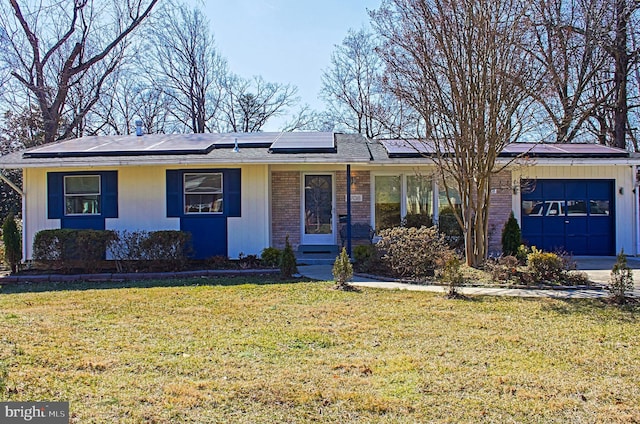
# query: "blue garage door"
{"type": "Point", "coordinates": [572, 215]}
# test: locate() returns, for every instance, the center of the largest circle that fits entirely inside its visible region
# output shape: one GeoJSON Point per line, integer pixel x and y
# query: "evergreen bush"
{"type": "Point", "coordinates": [621, 280]}
{"type": "Point", "coordinates": [270, 257]}
{"type": "Point", "coordinates": [342, 270]}
{"type": "Point", "coordinates": [12, 243]}
{"type": "Point", "coordinates": [288, 265]}
{"type": "Point", "coordinates": [452, 275]}
{"type": "Point", "coordinates": [511, 237]}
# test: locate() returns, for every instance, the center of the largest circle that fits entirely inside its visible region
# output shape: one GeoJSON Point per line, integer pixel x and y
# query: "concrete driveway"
{"type": "Point", "coordinates": [599, 267]}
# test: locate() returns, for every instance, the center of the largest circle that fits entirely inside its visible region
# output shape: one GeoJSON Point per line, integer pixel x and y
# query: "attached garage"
{"type": "Point", "coordinates": [577, 216]}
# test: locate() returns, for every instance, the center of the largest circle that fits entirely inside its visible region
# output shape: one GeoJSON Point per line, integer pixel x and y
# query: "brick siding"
{"type": "Point", "coordinates": [360, 211]}
{"type": "Point", "coordinates": [499, 209]}
{"type": "Point", "coordinates": [285, 208]}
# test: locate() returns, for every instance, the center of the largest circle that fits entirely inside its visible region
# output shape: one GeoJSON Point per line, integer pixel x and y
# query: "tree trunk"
{"type": "Point", "coordinates": [620, 75]}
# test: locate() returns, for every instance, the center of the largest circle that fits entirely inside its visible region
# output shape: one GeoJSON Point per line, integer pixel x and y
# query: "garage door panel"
{"type": "Point", "coordinates": [575, 189]}
{"type": "Point", "coordinates": [553, 243]}
{"type": "Point", "coordinates": [599, 245]}
{"type": "Point", "coordinates": [578, 216]}
{"type": "Point", "coordinates": [551, 189]}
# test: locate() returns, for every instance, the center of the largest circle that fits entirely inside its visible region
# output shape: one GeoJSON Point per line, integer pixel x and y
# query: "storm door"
{"type": "Point", "coordinates": [318, 225]}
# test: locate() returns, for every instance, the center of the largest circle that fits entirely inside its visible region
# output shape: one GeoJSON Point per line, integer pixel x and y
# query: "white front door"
{"type": "Point", "coordinates": [318, 224]}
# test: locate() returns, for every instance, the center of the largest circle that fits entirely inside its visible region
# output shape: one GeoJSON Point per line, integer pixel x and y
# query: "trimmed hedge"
{"type": "Point", "coordinates": [86, 250]}
{"type": "Point", "coordinates": [68, 249]}
{"type": "Point", "coordinates": [165, 250]}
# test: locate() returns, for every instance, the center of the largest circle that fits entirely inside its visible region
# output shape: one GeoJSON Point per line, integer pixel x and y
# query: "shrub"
{"type": "Point", "coordinates": [546, 266]}
{"type": "Point", "coordinates": [342, 270]}
{"type": "Point", "coordinates": [366, 258]}
{"type": "Point", "coordinates": [522, 253]}
{"type": "Point", "coordinates": [165, 250]}
{"type": "Point", "coordinates": [288, 265]}
{"type": "Point", "coordinates": [413, 252]}
{"type": "Point", "coordinates": [12, 243]}
{"type": "Point", "coordinates": [503, 269]}
{"type": "Point", "coordinates": [621, 280]}
{"type": "Point", "coordinates": [166, 245]}
{"type": "Point", "coordinates": [452, 275]}
{"type": "Point", "coordinates": [219, 262]}
{"type": "Point", "coordinates": [248, 261]}
{"type": "Point", "coordinates": [511, 237]}
{"type": "Point", "coordinates": [270, 257]}
{"type": "Point", "coordinates": [70, 249]}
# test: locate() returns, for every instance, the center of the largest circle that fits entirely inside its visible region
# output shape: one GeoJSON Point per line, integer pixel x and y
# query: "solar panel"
{"type": "Point", "coordinates": [562, 150]}
{"type": "Point", "coordinates": [152, 144]}
{"type": "Point", "coordinates": [292, 142]}
{"type": "Point", "coordinates": [408, 148]}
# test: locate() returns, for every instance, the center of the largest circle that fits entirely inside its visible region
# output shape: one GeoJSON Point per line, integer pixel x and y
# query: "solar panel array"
{"type": "Point", "coordinates": [562, 150]}
{"type": "Point", "coordinates": [418, 148]}
{"type": "Point", "coordinates": [184, 144]}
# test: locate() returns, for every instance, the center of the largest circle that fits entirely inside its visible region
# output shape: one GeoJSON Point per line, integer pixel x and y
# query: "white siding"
{"type": "Point", "coordinates": [625, 203]}
{"type": "Point", "coordinates": [249, 234]}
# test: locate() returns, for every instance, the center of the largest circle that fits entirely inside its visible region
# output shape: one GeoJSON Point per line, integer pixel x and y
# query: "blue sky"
{"type": "Point", "coordinates": [285, 41]}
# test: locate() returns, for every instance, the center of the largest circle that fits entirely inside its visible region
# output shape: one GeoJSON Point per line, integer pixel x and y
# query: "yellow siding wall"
{"type": "Point", "coordinates": [625, 204]}
{"type": "Point", "coordinates": [249, 234]}
{"type": "Point", "coordinates": [142, 197]}
{"type": "Point", "coordinates": [35, 208]}
{"type": "Point", "coordinates": [142, 206]}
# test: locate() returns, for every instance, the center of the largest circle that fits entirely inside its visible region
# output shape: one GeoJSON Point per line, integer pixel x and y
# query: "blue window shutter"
{"type": "Point", "coordinates": [174, 193]}
{"type": "Point", "coordinates": [233, 192]}
{"type": "Point", "coordinates": [55, 195]}
{"type": "Point", "coordinates": [109, 194]}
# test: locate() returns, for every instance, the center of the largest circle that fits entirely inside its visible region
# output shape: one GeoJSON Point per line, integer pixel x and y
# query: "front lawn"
{"type": "Point", "coordinates": [231, 350]}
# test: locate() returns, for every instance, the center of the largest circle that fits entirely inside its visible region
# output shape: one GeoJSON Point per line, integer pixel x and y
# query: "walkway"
{"type": "Point", "coordinates": [598, 269]}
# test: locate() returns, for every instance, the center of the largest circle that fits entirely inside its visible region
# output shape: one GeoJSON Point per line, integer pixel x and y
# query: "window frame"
{"type": "Point", "coordinates": [404, 175]}
{"type": "Point", "coordinates": [98, 194]}
{"type": "Point", "coordinates": [219, 193]}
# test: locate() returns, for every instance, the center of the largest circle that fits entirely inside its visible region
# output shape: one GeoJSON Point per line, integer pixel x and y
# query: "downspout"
{"type": "Point", "coordinates": [636, 208]}
{"type": "Point", "coordinates": [349, 210]}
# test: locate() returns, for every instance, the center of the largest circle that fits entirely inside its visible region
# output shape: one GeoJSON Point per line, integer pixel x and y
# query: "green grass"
{"type": "Point", "coordinates": [231, 350]}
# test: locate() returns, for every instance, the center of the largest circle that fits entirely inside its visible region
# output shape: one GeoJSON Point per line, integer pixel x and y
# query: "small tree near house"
{"type": "Point", "coordinates": [621, 280]}
{"type": "Point", "coordinates": [342, 271]}
{"type": "Point", "coordinates": [288, 265]}
{"type": "Point", "coordinates": [12, 244]}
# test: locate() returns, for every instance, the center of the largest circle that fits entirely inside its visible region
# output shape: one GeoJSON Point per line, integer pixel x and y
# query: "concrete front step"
{"type": "Point", "coordinates": [317, 254]}
{"type": "Point", "coordinates": [315, 249]}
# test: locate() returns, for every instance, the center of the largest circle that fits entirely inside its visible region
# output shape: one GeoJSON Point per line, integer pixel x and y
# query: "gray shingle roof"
{"type": "Point", "coordinates": [256, 148]}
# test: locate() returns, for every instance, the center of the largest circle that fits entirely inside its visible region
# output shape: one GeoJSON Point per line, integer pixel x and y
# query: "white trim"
{"type": "Point", "coordinates": [318, 238]}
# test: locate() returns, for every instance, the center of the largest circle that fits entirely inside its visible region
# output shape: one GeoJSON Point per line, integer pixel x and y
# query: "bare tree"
{"type": "Point", "coordinates": [461, 66]}
{"type": "Point", "coordinates": [183, 63]}
{"type": "Point", "coordinates": [131, 98]}
{"type": "Point", "coordinates": [52, 46]}
{"type": "Point", "coordinates": [566, 44]}
{"type": "Point", "coordinates": [250, 104]}
{"type": "Point", "coordinates": [352, 87]}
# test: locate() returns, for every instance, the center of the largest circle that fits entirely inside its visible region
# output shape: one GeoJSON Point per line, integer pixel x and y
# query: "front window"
{"type": "Point", "coordinates": [82, 194]}
{"type": "Point", "coordinates": [419, 201]}
{"type": "Point", "coordinates": [203, 193]}
{"type": "Point", "coordinates": [388, 191]}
